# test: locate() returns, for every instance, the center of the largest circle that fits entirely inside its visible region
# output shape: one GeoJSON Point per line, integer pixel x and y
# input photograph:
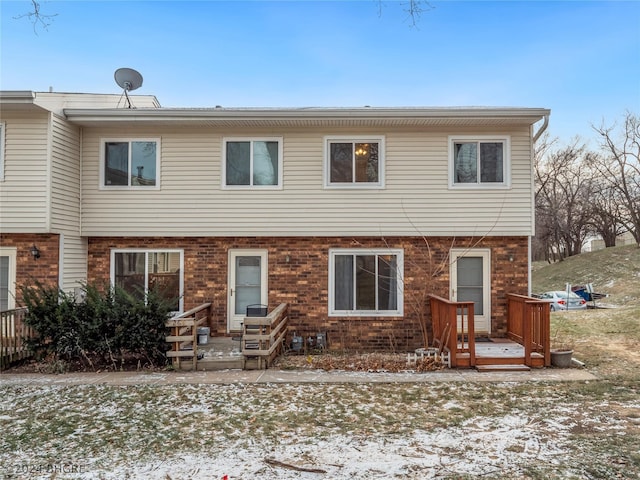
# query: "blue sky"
{"type": "Point", "coordinates": [581, 59]}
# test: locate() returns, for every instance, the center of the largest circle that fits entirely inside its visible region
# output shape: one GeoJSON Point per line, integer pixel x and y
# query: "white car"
{"type": "Point", "coordinates": [560, 300]}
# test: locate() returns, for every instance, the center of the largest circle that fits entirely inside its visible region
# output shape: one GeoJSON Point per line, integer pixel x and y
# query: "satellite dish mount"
{"type": "Point", "coordinates": [128, 79]}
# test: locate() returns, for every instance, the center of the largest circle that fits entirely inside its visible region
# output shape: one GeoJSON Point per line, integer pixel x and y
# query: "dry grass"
{"type": "Point", "coordinates": [606, 339]}
{"type": "Point", "coordinates": [352, 431]}
{"type": "Point", "coordinates": [615, 271]}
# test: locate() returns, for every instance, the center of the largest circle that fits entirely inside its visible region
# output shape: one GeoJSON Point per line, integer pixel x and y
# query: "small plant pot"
{"type": "Point", "coordinates": [561, 358]}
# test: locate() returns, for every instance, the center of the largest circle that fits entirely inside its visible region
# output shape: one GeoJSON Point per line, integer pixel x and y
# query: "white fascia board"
{"type": "Point", "coordinates": [19, 100]}
{"type": "Point", "coordinates": [17, 96]}
{"type": "Point", "coordinates": [266, 115]}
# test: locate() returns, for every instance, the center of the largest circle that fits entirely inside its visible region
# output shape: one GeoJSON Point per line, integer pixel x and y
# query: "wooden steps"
{"type": "Point", "coordinates": [211, 364]}
{"type": "Point", "coordinates": [503, 368]}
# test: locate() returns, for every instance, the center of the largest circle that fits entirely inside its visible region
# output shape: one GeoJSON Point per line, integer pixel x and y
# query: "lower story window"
{"type": "Point", "coordinates": [365, 282]}
{"type": "Point", "coordinates": [139, 271]}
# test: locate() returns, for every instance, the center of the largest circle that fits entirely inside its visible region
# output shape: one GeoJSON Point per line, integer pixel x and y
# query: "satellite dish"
{"type": "Point", "coordinates": [128, 79]}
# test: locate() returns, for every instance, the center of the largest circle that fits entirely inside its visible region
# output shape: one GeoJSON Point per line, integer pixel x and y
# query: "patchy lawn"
{"type": "Point", "coordinates": [347, 431]}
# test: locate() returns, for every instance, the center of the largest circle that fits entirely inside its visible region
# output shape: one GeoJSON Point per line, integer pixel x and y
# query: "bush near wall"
{"type": "Point", "coordinates": [108, 326]}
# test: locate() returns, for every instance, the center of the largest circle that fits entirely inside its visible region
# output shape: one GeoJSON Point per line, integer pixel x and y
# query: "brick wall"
{"type": "Point", "coordinates": [302, 281]}
{"type": "Point", "coordinates": [28, 269]}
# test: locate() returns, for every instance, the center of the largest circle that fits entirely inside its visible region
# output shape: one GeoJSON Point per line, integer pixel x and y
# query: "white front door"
{"type": "Point", "coordinates": [471, 282]}
{"type": "Point", "coordinates": [247, 284]}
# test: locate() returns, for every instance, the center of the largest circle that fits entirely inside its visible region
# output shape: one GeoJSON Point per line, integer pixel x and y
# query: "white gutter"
{"type": "Point", "coordinates": [309, 117]}
{"type": "Point", "coordinates": [532, 114]}
{"type": "Point", "coordinates": [17, 96]}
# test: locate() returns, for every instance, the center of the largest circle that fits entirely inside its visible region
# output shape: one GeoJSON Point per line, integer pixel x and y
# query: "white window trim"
{"type": "Point", "coordinates": [398, 252]}
{"type": "Point", "coordinates": [112, 267]}
{"type": "Point", "coordinates": [12, 253]}
{"type": "Point", "coordinates": [223, 179]}
{"type": "Point", "coordinates": [103, 141]}
{"type": "Point", "coordinates": [379, 139]}
{"type": "Point", "coordinates": [506, 162]}
{"type": "Point", "coordinates": [3, 127]}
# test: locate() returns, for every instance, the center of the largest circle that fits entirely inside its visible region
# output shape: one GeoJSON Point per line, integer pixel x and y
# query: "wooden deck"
{"type": "Point", "coordinates": [499, 348]}
{"type": "Point", "coordinates": [500, 354]}
{"type": "Point", "coordinates": [527, 337]}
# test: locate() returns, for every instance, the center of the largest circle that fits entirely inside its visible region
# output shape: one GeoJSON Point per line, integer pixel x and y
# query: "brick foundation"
{"type": "Point", "coordinates": [302, 281]}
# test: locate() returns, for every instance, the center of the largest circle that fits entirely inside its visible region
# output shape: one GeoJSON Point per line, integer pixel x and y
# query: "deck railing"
{"type": "Point", "coordinates": [528, 323]}
{"type": "Point", "coordinates": [183, 334]}
{"type": "Point", "coordinates": [264, 337]}
{"type": "Point", "coordinates": [459, 317]}
{"type": "Point", "coordinates": [13, 334]}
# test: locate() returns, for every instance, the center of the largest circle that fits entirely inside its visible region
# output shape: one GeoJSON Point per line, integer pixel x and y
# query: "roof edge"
{"type": "Point", "coordinates": [17, 96]}
{"type": "Point", "coordinates": [146, 114]}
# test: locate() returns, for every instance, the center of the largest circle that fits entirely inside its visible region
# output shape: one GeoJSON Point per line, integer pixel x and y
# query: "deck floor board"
{"type": "Point", "coordinates": [499, 349]}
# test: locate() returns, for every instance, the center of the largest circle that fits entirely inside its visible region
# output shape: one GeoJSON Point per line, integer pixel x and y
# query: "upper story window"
{"type": "Point", "coordinates": [365, 282]}
{"type": "Point", "coordinates": [252, 162]}
{"type": "Point", "coordinates": [354, 162]}
{"type": "Point", "coordinates": [130, 163]}
{"type": "Point", "coordinates": [2, 129]}
{"type": "Point", "coordinates": [479, 161]}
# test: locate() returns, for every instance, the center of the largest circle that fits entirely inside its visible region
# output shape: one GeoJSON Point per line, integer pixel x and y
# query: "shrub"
{"type": "Point", "coordinates": [108, 323]}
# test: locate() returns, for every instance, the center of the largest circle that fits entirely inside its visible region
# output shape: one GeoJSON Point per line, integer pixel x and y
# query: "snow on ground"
{"type": "Point", "coordinates": [342, 431]}
{"type": "Point", "coordinates": [479, 447]}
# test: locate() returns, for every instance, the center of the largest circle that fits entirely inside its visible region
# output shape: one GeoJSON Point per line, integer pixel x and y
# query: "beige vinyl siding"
{"type": "Point", "coordinates": [24, 193]}
{"type": "Point", "coordinates": [65, 177]}
{"type": "Point", "coordinates": [65, 202]}
{"type": "Point", "coordinates": [416, 198]}
{"type": "Point", "coordinates": [73, 270]}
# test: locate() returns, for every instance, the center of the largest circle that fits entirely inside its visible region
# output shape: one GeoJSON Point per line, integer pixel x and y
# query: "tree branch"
{"type": "Point", "coordinates": [36, 17]}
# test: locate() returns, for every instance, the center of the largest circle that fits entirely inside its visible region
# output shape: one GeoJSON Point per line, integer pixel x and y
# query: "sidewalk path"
{"type": "Point", "coordinates": [292, 376]}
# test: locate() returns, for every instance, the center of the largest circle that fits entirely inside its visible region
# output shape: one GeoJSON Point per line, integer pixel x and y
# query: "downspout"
{"type": "Point", "coordinates": [544, 126]}
{"type": "Point", "coordinates": [535, 138]}
{"type": "Point", "coordinates": [83, 241]}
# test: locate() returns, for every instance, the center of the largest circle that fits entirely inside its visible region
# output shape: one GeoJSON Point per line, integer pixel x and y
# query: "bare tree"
{"type": "Point", "coordinates": [413, 8]}
{"type": "Point", "coordinates": [564, 188]}
{"type": "Point", "coordinates": [37, 17]}
{"type": "Point", "coordinates": [606, 215]}
{"type": "Point", "coordinates": [542, 242]}
{"type": "Point", "coordinates": [620, 167]}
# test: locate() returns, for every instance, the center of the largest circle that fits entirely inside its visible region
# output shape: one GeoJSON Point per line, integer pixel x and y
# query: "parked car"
{"type": "Point", "coordinates": [560, 300]}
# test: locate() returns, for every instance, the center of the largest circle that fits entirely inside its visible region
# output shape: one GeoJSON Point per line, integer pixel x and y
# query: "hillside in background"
{"type": "Point", "coordinates": [615, 271]}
